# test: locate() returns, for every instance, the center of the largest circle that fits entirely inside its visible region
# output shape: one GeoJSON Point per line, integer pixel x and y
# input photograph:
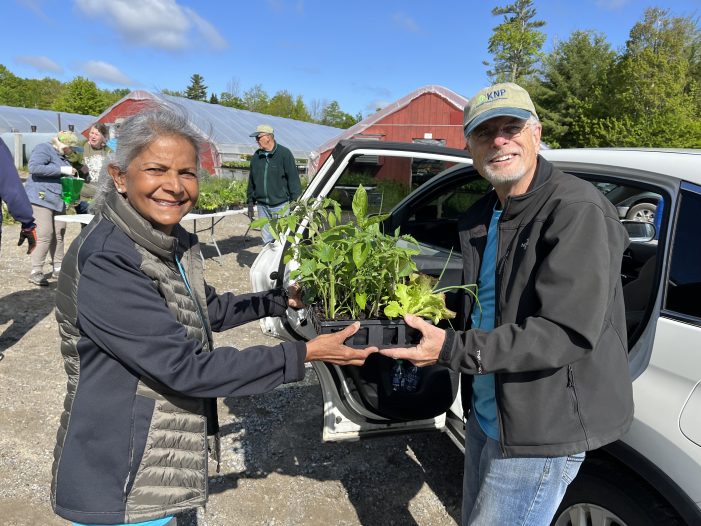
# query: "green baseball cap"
{"type": "Point", "coordinates": [500, 100]}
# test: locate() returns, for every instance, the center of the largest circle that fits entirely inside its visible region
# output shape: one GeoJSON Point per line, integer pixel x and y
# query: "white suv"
{"type": "Point", "coordinates": [653, 474]}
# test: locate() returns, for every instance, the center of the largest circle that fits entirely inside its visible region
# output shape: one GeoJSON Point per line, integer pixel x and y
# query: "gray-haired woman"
{"type": "Point", "coordinates": [136, 319]}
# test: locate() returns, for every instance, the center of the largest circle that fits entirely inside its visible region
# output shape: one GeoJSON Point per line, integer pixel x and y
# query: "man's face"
{"type": "Point", "coordinates": [505, 149]}
{"type": "Point", "coordinates": [265, 141]}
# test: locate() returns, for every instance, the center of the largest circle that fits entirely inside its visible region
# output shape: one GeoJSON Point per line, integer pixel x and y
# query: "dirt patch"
{"type": "Point", "coordinates": [275, 468]}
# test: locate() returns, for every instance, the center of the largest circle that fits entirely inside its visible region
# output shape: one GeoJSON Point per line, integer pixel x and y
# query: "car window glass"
{"type": "Point", "coordinates": [633, 203]}
{"type": "Point", "coordinates": [684, 284]}
{"type": "Point", "coordinates": [386, 179]}
{"type": "Point", "coordinates": [432, 220]}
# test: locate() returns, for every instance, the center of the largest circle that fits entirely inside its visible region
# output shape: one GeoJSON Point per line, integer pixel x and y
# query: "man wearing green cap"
{"type": "Point", "coordinates": [273, 181]}
{"type": "Point", "coordinates": [544, 356]}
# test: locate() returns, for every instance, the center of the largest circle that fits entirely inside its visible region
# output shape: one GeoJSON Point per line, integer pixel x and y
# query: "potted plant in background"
{"type": "Point", "coordinates": [219, 193]}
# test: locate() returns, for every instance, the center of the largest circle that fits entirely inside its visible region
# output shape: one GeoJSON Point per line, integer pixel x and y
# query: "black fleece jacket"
{"type": "Point", "coordinates": [559, 347]}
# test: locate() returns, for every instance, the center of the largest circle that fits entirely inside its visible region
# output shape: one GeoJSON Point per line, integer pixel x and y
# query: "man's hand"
{"type": "Point", "coordinates": [330, 348]}
{"type": "Point", "coordinates": [429, 348]}
{"type": "Point", "coordinates": [251, 212]}
{"type": "Point", "coordinates": [30, 234]}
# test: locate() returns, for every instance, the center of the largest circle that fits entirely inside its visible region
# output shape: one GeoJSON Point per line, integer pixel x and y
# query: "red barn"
{"type": "Point", "coordinates": [429, 114]}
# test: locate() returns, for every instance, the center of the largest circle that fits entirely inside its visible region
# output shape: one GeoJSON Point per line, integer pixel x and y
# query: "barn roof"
{"type": "Point", "coordinates": [229, 128]}
{"type": "Point", "coordinates": [457, 100]}
{"type": "Point", "coordinates": [21, 120]}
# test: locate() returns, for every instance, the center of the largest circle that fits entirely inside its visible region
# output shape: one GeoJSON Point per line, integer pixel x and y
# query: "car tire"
{"type": "Point", "coordinates": [642, 212]}
{"type": "Point", "coordinates": [605, 494]}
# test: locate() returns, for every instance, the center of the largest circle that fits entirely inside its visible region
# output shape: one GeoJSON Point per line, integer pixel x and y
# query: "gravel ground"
{"type": "Point", "coordinates": [275, 470]}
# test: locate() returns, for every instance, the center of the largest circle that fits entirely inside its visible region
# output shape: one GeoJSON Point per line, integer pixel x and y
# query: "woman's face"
{"type": "Point", "coordinates": [161, 182]}
{"type": "Point", "coordinates": [95, 138]}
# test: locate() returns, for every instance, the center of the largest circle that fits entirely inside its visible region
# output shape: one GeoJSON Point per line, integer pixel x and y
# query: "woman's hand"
{"type": "Point", "coordinates": [330, 348]}
{"type": "Point", "coordinates": [294, 296]}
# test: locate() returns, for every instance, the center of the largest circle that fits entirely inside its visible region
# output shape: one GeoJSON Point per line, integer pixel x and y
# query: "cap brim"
{"type": "Point", "coordinates": [497, 112]}
{"type": "Point", "coordinates": [254, 134]}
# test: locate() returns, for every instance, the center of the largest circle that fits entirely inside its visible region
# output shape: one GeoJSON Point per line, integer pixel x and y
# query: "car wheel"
{"type": "Point", "coordinates": [642, 212]}
{"type": "Point", "coordinates": [603, 494]}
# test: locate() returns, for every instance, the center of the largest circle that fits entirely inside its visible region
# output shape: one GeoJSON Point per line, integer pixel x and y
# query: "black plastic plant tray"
{"type": "Point", "coordinates": [384, 334]}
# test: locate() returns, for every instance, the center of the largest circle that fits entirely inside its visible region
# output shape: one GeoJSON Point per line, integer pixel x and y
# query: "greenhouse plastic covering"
{"type": "Point", "coordinates": [229, 128]}
{"type": "Point", "coordinates": [21, 120]}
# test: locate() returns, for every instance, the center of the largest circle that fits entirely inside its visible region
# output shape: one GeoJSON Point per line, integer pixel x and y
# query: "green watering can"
{"type": "Point", "coordinates": [70, 189]}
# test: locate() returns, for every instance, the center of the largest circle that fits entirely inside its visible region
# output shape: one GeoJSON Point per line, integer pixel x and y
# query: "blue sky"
{"type": "Point", "coordinates": [364, 54]}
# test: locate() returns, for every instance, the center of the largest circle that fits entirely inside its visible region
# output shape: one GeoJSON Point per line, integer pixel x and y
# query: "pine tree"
{"type": "Point", "coordinates": [516, 43]}
{"type": "Point", "coordinates": [197, 89]}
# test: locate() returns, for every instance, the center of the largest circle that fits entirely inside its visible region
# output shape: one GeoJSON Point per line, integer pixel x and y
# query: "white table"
{"type": "Point", "coordinates": [214, 219]}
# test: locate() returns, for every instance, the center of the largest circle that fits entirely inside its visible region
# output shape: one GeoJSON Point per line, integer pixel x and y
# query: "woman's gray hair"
{"type": "Point", "coordinates": [139, 131]}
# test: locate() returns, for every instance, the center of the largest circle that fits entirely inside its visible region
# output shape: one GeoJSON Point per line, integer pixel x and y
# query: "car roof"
{"type": "Point", "coordinates": [345, 146]}
{"type": "Point", "coordinates": [679, 163]}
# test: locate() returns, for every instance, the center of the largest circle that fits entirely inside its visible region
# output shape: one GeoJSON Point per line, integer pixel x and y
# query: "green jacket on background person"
{"type": "Point", "coordinates": [274, 179]}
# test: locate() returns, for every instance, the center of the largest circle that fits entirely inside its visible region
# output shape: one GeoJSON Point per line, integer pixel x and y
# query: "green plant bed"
{"type": "Point", "coordinates": [219, 193]}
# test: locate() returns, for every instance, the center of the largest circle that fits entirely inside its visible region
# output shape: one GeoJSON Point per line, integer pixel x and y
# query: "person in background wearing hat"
{"type": "Point", "coordinates": [47, 164]}
{"type": "Point", "coordinates": [12, 191]}
{"type": "Point", "coordinates": [544, 360]}
{"type": "Point", "coordinates": [273, 181]}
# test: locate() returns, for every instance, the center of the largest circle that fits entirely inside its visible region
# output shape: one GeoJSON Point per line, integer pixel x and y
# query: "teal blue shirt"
{"type": "Point", "coordinates": [155, 522]}
{"type": "Point", "coordinates": [483, 397]}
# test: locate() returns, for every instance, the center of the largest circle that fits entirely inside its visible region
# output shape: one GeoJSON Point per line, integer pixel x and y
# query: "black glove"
{"type": "Point", "coordinates": [82, 207]}
{"type": "Point", "coordinates": [250, 211]}
{"type": "Point", "coordinates": [30, 234]}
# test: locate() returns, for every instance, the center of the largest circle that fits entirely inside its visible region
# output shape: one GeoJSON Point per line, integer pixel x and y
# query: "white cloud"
{"type": "Point", "coordinates": [281, 6]}
{"type": "Point", "coordinates": [207, 30]}
{"type": "Point", "coordinates": [405, 22]}
{"type": "Point", "coordinates": [612, 5]}
{"type": "Point", "coordinates": [375, 105]}
{"type": "Point", "coordinates": [277, 6]}
{"type": "Point", "coordinates": [161, 24]}
{"type": "Point", "coordinates": [104, 72]}
{"type": "Point", "coordinates": [36, 7]}
{"type": "Point", "coordinates": [40, 63]}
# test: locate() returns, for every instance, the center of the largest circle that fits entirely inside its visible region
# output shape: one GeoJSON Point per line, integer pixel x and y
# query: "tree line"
{"type": "Point", "coordinates": [648, 94]}
{"type": "Point", "coordinates": [281, 104]}
{"type": "Point", "coordinates": [587, 94]}
{"type": "Point", "coordinates": [82, 96]}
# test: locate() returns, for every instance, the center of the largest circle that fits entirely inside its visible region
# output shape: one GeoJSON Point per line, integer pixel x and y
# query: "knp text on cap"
{"type": "Point", "coordinates": [500, 100]}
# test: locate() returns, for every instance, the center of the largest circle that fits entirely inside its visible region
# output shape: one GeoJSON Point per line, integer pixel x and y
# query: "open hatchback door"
{"type": "Point", "coordinates": [398, 178]}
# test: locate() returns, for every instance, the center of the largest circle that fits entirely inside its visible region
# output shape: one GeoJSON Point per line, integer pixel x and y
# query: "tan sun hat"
{"type": "Point", "coordinates": [262, 129]}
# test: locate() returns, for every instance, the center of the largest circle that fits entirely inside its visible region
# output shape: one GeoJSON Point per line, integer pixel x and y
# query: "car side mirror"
{"type": "Point", "coordinates": [639, 231]}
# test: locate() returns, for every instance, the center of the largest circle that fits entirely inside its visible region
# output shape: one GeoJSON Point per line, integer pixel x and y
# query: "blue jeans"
{"type": "Point", "coordinates": [518, 491]}
{"type": "Point", "coordinates": [269, 211]}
